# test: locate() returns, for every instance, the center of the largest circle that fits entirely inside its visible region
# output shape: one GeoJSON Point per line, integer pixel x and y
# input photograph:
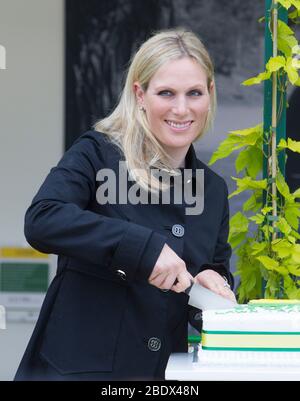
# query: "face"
{"type": "Point", "coordinates": [176, 103]}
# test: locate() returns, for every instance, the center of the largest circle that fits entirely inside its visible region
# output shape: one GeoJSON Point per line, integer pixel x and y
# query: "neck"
{"type": "Point", "coordinates": [177, 157]}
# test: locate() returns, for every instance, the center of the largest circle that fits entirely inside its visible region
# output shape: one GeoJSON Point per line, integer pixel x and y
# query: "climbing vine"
{"type": "Point", "coordinates": [265, 233]}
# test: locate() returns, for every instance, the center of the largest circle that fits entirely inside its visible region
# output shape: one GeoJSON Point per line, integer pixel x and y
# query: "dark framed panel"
{"type": "Point", "coordinates": [101, 36]}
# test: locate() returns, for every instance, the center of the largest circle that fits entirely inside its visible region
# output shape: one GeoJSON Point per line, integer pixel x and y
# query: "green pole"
{"type": "Point", "coordinates": [280, 116]}
{"type": "Point", "coordinates": [281, 96]}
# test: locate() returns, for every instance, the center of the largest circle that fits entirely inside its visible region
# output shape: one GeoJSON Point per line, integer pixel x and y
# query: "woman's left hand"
{"type": "Point", "coordinates": [215, 282]}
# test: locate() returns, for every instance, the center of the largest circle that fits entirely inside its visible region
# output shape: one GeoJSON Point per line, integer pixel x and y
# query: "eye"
{"type": "Point", "coordinates": [195, 92]}
{"type": "Point", "coordinates": [165, 93]}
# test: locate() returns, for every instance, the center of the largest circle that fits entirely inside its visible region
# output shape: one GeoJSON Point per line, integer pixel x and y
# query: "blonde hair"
{"type": "Point", "coordinates": [127, 125]}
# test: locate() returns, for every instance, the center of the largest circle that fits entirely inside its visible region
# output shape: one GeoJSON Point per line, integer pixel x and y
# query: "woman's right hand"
{"type": "Point", "coordinates": [169, 268]}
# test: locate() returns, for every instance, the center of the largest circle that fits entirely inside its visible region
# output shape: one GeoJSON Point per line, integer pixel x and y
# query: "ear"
{"type": "Point", "coordinates": [211, 87]}
{"type": "Point", "coordinates": [139, 93]}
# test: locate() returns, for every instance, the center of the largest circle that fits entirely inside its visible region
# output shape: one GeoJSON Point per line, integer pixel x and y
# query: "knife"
{"type": "Point", "coordinates": [204, 299]}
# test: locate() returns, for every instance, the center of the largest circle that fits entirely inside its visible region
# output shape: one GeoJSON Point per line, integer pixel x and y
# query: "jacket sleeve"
{"type": "Point", "coordinates": [220, 262]}
{"type": "Point", "coordinates": [58, 221]}
{"type": "Point", "coordinates": [223, 250]}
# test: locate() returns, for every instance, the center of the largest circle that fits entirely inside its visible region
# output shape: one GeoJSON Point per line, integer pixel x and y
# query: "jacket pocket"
{"type": "Point", "coordinates": [83, 328]}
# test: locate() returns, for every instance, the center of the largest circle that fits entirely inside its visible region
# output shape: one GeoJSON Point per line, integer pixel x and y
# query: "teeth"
{"type": "Point", "coordinates": [178, 125]}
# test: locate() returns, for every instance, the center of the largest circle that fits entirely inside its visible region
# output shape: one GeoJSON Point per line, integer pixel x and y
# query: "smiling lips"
{"type": "Point", "coordinates": [179, 126]}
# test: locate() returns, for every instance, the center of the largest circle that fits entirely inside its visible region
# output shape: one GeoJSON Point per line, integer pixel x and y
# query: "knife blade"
{"type": "Point", "coordinates": [204, 299]}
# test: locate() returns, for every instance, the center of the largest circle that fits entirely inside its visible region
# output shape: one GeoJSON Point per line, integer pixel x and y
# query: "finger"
{"type": "Point", "coordinates": [168, 282]}
{"type": "Point", "coordinates": [227, 293]}
{"type": "Point", "coordinates": [183, 282]}
{"type": "Point", "coordinates": [219, 289]}
{"type": "Point", "coordinates": [192, 279]}
{"type": "Point", "coordinates": [154, 275]}
{"type": "Point", "coordinates": [213, 286]}
{"type": "Point", "coordinates": [158, 280]}
{"type": "Point", "coordinates": [231, 296]}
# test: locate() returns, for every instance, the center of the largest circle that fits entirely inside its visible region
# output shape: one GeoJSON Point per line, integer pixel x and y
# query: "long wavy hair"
{"type": "Point", "coordinates": [127, 126]}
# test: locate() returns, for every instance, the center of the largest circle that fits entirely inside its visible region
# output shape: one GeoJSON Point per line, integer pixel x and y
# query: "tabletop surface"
{"type": "Point", "coordinates": [183, 366]}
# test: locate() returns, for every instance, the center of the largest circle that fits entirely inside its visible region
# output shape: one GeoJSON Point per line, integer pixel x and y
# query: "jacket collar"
{"type": "Point", "coordinates": [191, 160]}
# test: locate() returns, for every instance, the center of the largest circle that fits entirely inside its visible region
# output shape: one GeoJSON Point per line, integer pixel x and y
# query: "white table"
{"type": "Point", "coordinates": [182, 367]}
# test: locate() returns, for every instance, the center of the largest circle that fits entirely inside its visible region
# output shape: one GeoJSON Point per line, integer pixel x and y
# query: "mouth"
{"type": "Point", "coordinates": [179, 126]}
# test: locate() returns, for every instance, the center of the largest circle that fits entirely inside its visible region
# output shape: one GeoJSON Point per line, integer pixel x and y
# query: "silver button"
{"type": "Point", "coordinates": [178, 230]}
{"type": "Point", "coordinates": [188, 181]}
{"type": "Point", "coordinates": [154, 344]}
{"type": "Point", "coordinates": [121, 274]}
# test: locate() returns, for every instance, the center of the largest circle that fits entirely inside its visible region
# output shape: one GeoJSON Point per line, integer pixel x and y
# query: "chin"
{"type": "Point", "coordinates": [179, 142]}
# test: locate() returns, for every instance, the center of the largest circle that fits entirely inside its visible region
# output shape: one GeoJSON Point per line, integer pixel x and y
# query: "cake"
{"type": "Point", "coordinates": [263, 332]}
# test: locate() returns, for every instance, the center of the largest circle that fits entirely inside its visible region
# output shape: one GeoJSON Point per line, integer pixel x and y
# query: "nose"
{"type": "Point", "coordinates": [180, 106]}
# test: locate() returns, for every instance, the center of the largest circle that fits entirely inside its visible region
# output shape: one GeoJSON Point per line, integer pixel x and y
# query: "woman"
{"type": "Point", "coordinates": [108, 314]}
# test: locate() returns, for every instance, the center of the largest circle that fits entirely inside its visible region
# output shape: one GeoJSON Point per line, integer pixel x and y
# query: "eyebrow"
{"type": "Point", "coordinates": [160, 87]}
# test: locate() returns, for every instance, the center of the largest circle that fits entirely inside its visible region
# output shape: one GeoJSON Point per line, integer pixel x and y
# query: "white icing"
{"type": "Point", "coordinates": [250, 318]}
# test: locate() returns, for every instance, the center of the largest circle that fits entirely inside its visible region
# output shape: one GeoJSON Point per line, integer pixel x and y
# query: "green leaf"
{"type": "Point", "coordinates": [258, 218]}
{"type": "Point", "coordinates": [291, 239]}
{"type": "Point", "coordinates": [272, 265]}
{"type": "Point", "coordinates": [257, 129]}
{"type": "Point", "coordinates": [242, 160]}
{"type": "Point", "coordinates": [268, 263]}
{"type": "Point", "coordinates": [249, 270]}
{"type": "Point", "coordinates": [286, 39]}
{"type": "Point", "coordinates": [290, 287]}
{"type": "Point", "coordinates": [293, 145]}
{"type": "Point", "coordinates": [266, 210]}
{"type": "Point", "coordinates": [238, 224]}
{"type": "Point", "coordinates": [282, 247]}
{"type": "Point", "coordinates": [285, 3]}
{"type": "Point", "coordinates": [248, 136]}
{"type": "Point", "coordinates": [296, 194]}
{"type": "Point", "coordinates": [294, 14]}
{"type": "Point", "coordinates": [250, 204]}
{"type": "Point", "coordinates": [282, 144]}
{"type": "Point", "coordinates": [235, 140]}
{"type": "Point", "coordinates": [294, 269]}
{"type": "Point", "coordinates": [258, 79]}
{"type": "Point", "coordinates": [293, 293]}
{"type": "Point", "coordinates": [296, 253]}
{"type": "Point", "coordinates": [250, 159]}
{"type": "Point", "coordinates": [295, 234]}
{"type": "Point", "coordinates": [296, 49]}
{"type": "Point", "coordinates": [225, 148]}
{"type": "Point", "coordinates": [253, 203]}
{"type": "Point", "coordinates": [296, 63]}
{"type": "Point", "coordinates": [284, 46]}
{"type": "Point", "coordinates": [247, 183]}
{"type": "Point", "coordinates": [282, 185]}
{"type": "Point", "coordinates": [283, 226]}
{"type": "Point", "coordinates": [296, 4]}
{"type": "Point", "coordinates": [258, 247]}
{"type": "Point", "coordinates": [284, 29]}
{"type": "Point", "coordinates": [236, 239]}
{"type": "Point", "coordinates": [238, 228]}
{"type": "Point", "coordinates": [291, 70]}
{"type": "Point", "coordinates": [292, 214]}
{"type": "Point", "coordinates": [275, 63]}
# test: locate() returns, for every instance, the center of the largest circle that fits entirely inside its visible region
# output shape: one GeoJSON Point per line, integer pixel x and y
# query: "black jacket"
{"type": "Point", "coordinates": [101, 319]}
